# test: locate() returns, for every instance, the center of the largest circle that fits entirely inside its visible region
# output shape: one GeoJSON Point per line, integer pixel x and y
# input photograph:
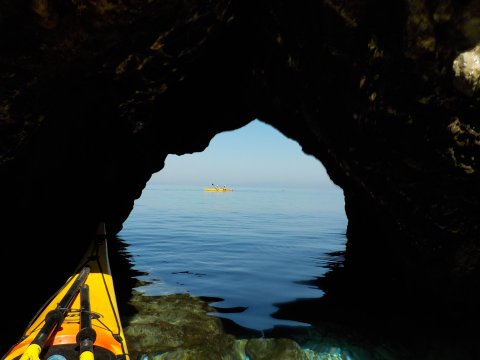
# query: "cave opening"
{"type": "Point", "coordinates": [245, 253]}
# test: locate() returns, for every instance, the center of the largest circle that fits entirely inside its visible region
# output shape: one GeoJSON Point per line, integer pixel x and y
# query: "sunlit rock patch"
{"type": "Point", "coordinates": [466, 68]}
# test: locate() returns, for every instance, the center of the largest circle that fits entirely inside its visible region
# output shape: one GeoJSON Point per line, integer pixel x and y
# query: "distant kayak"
{"type": "Point", "coordinates": [81, 320]}
{"type": "Point", "coordinates": [217, 189]}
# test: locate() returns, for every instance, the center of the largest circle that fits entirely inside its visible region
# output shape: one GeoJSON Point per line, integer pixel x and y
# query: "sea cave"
{"type": "Point", "coordinates": [96, 94]}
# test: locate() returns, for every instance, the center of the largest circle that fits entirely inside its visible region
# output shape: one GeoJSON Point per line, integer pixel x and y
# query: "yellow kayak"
{"type": "Point", "coordinates": [81, 320]}
{"type": "Point", "coordinates": [217, 189]}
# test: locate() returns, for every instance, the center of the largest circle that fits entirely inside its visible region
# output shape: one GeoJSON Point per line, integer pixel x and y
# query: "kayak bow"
{"type": "Point", "coordinates": [81, 320]}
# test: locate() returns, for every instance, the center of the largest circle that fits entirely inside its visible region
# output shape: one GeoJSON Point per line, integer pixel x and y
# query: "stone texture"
{"type": "Point", "coordinates": [95, 94]}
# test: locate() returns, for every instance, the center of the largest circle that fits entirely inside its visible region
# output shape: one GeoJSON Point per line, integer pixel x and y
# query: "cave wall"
{"type": "Point", "coordinates": [96, 94]}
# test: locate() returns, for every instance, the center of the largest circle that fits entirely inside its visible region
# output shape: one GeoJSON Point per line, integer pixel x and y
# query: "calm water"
{"type": "Point", "coordinates": [256, 255]}
{"type": "Point", "coordinates": [252, 247]}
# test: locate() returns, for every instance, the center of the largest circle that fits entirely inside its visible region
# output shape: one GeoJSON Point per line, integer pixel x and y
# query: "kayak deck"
{"type": "Point", "coordinates": [108, 340]}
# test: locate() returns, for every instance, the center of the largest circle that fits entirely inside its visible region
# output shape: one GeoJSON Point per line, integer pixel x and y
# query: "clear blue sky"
{"type": "Point", "coordinates": [255, 155]}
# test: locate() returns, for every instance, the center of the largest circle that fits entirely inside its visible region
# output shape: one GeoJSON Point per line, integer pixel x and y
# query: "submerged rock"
{"type": "Point", "coordinates": [165, 323]}
{"type": "Point", "coordinates": [279, 349]}
{"type": "Point", "coordinates": [178, 327]}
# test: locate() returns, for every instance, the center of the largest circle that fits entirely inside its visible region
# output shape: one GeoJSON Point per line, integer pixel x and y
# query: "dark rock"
{"type": "Point", "coordinates": [95, 95]}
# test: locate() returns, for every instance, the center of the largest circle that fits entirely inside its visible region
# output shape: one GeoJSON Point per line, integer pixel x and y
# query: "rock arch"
{"type": "Point", "coordinates": [95, 95]}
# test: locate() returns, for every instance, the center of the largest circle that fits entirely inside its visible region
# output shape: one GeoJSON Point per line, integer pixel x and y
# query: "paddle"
{"type": "Point", "coordinates": [87, 335]}
{"type": "Point", "coordinates": [54, 318]}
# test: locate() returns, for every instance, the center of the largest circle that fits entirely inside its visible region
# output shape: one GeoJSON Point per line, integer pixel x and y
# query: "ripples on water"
{"type": "Point", "coordinates": [247, 252]}
{"type": "Point", "coordinates": [252, 248]}
{"type": "Point", "coordinates": [256, 256]}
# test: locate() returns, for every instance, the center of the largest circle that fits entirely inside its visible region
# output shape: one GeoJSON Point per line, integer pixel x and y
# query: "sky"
{"type": "Point", "coordinates": [256, 155]}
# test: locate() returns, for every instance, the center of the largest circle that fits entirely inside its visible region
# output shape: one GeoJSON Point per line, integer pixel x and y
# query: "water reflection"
{"type": "Point", "coordinates": [368, 318]}
{"type": "Point", "coordinates": [350, 321]}
{"type": "Point", "coordinates": [180, 325]}
{"type": "Point", "coordinates": [125, 277]}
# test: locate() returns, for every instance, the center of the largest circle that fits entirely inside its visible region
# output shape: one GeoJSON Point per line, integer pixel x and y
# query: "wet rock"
{"type": "Point", "coordinates": [466, 68]}
{"type": "Point", "coordinates": [165, 323]}
{"type": "Point", "coordinates": [279, 349]}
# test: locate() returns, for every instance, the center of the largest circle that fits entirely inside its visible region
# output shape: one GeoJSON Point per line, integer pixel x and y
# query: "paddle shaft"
{"type": "Point", "coordinates": [87, 335]}
{"type": "Point", "coordinates": [55, 317]}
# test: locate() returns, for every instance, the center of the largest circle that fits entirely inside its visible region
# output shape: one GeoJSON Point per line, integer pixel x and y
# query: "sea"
{"type": "Point", "coordinates": [247, 253]}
